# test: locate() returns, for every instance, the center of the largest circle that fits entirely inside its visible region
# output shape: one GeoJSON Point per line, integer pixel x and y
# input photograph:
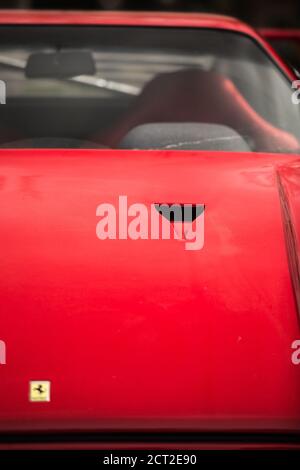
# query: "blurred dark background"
{"type": "Point", "coordinates": [282, 13]}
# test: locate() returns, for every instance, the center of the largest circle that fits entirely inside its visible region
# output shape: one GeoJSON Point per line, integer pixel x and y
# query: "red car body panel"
{"type": "Point", "coordinates": [144, 335]}
{"type": "Point", "coordinates": [286, 42]}
{"type": "Point", "coordinates": [278, 33]}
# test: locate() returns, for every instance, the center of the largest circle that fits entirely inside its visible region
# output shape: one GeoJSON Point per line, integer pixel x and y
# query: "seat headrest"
{"type": "Point", "coordinates": [184, 136]}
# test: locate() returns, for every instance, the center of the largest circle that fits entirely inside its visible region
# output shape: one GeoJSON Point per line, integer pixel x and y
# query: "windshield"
{"type": "Point", "coordinates": [97, 87]}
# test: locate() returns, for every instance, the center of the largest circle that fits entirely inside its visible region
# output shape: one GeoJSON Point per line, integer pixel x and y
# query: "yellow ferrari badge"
{"type": "Point", "coordinates": [39, 390]}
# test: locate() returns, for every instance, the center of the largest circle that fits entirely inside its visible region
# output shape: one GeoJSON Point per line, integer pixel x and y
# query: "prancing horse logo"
{"type": "Point", "coordinates": [39, 390]}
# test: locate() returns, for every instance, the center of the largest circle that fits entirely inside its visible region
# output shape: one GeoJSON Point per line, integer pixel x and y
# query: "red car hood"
{"type": "Point", "coordinates": [145, 334]}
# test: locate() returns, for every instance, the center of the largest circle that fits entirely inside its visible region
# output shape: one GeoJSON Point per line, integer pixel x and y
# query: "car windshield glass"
{"type": "Point", "coordinates": [94, 86]}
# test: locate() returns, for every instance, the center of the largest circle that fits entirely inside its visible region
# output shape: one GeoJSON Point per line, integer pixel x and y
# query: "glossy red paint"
{"type": "Point", "coordinates": [279, 33]}
{"type": "Point", "coordinates": [289, 185]}
{"type": "Point", "coordinates": [125, 18]}
{"type": "Point", "coordinates": [276, 35]}
{"type": "Point", "coordinates": [143, 334]}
